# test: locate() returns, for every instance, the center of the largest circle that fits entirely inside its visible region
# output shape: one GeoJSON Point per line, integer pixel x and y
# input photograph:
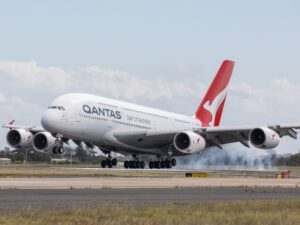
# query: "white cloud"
{"type": "Point", "coordinates": [115, 83]}
{"type": "Point", "coordinates": [29, 74]}
{"type": "Point", "coordinates": [122, 84]}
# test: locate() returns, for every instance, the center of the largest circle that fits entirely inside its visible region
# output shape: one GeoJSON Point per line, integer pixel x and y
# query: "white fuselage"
{"type": "Point", "coordinates": [91, 118]}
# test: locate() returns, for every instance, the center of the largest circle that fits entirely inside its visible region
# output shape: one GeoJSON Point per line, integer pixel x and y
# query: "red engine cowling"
{"type": "Point", "coordinates": [188, 142]}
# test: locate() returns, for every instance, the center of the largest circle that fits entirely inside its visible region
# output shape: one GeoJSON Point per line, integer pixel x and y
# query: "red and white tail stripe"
{"type": "Point", "coordinates": [210, 109]}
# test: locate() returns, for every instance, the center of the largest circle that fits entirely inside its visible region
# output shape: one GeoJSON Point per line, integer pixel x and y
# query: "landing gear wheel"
{"type": "Point", "coordinates": [60, 150]}
{"type": "Point", "coordinates": [151, 166]}
{"type": "Point", "coordinates": [126, 164]}
{"type": "Point", "coordinates": [142, 165]}
{"type": "Point", "coordinates": [173, 161]}
{"type": "Point", "coordinates": [109, 163]}
{"type": "Point", "coordinates": [163, 164]}
{"type": "Point", "coordinates": [138, 164]}
{"type": "Point", "coordinates": [131, 164]}
{"type": "Point", "coordinates": [54, 150]}
{"type": "Point", "coordinates": [169, 164]}
{"type": "Point", "coordinates": [103, 163]}
{"type": "Point", "coordinates": [114, 162]}
{"type": "Point", "coordinates": [157, 164]}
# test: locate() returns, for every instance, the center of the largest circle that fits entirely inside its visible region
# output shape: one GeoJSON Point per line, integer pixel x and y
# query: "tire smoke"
{"type": "Point", "coordinates": [231, 157]}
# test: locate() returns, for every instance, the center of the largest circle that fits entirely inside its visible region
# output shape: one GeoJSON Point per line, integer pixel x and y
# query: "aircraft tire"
{"type": "Point", "coordinates": [109, 163]}
{"type": "Point", "coordinates": [60, 150]}
{"type": "Point", "coordinates": [131, 164]}
{"type": "Point", "coordinates": [169, 164]}
{"type": "Point", "coordinates": [157, 164]}
{"type": "Point", "coordinates": [103, 163]}
{"type": "Point", "coordinates": [142, 165]}
{"type": "Point", "coordinates": [54, 150]}
{"type": "Point", "coordinates": [126, 165]}
{"type": "Point", "coordinates": [151, 166]}
{"type": "Point", "coordinates": [114, 162]}
{"type": "Point", "coordinates": [173, 161]}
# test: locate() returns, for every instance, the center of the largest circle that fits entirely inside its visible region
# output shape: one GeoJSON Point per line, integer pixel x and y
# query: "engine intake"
{"type": "Point", "coordinates": [19, 138]}
{"type": "Point", "coordinates": [188, 142]}
{"type": "Point", "coordinates": [44, 141]}
{"type": "Point", "coordinates": [264, 138]}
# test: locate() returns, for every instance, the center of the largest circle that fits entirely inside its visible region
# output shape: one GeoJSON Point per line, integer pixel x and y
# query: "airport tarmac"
{"type": "Point", "coordinates": [140, 182]}
{"type": "Point", "coordinates": [13, 199]}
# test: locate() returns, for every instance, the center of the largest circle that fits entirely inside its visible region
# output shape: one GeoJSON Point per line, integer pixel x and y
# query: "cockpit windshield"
{"type": "Point", "coordinates": [61, 108]}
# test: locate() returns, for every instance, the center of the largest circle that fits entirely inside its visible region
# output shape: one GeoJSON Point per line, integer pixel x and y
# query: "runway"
{"type": "Point", "coordinates": [140, 182]}
{"type": "Point", "coordinates": [13, 200]}
{"type": "Point", "coordinates": [136, 187]}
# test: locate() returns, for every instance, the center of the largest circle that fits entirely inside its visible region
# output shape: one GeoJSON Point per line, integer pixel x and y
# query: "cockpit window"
{"type": "Point", "coordinates": [61, 108]}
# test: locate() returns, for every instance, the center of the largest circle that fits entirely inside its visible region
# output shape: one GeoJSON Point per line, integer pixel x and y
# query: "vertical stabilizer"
{"type": "Point", "coordinates": [210, 109]}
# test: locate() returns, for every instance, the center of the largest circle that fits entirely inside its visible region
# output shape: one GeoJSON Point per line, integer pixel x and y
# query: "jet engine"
{"type": "Point", "coordinates": [188, 142]}
{"type": "Point", "coordinates": [264, 138]}
{"type": "Point", "coordinates": [19, 138]}
{"type": "Point", "coordinates": [44, 142]}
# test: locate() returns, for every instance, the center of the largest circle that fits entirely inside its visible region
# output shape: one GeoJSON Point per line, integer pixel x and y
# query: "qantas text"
{"type": "Point", "coordinates": [102, 111]}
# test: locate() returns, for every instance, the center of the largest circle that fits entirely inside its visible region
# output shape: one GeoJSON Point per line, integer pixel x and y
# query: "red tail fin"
{"type": "Point", "coordinates": [11, 122]}
{"type": "Point", "coordinates": [210, 109]}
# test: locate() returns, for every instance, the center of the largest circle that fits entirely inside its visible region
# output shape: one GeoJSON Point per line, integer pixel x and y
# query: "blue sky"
{"type": "Point", "coordinates": [139, 35]}
{"type": "Point", "coordinates": [174, 45]}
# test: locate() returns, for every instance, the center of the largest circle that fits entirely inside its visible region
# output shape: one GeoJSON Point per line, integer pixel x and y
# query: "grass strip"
{"type": "Point", "coordinates": [232, 213]}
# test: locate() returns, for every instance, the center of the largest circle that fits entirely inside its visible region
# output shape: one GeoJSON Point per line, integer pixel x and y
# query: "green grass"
{"type": "Point", "coordinates": [233, 213]}
{"type": "Point", "coordinates": [291, 168]}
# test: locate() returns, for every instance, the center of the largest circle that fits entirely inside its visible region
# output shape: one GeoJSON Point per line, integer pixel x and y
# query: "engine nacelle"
{"type": "Point", "coordinates": [19, 138]}
{"type": "Point", "coordinates": [264, 138]}
{"type": "Point", "coordinates": [188, 142]}
{"type": "Point", "coordinates": [44, 142]}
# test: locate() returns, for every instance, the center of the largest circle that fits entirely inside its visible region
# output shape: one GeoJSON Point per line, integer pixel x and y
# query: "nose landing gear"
{"type": "Point", "coordinates": [58, 150]}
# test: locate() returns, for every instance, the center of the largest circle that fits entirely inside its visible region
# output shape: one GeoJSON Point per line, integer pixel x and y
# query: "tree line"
{"type": "Point", "coordinates": [77, 155]}
{"type": "Point", "coordinates": [81, 155]}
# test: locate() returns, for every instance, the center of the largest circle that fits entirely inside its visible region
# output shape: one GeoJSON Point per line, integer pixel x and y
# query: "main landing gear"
{"type": "Point", "coordinates": [161, 164]}
{"type": "Point", "coordinates": [134, 164]}
{"type": "Point", "coordinates": [109, 162]}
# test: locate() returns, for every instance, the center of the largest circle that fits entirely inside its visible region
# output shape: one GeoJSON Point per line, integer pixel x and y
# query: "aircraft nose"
{"type": "Point", "coordinates": [47, 120]}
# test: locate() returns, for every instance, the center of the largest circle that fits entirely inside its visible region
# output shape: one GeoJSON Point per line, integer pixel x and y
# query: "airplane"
{"type": "Point", "coordinates": [130, 129]}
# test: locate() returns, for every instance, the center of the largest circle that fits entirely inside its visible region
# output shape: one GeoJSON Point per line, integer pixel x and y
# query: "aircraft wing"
{"type": "Point", "coordinates": [217, 136]}
{"type": "Point", "coordinates": [32, 129]}
{"type": "Point", "coordinates": [214, 136]}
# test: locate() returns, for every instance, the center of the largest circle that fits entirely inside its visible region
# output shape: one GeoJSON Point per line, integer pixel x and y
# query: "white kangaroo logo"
{"type": "Point", "coordinates": [214, 106]}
